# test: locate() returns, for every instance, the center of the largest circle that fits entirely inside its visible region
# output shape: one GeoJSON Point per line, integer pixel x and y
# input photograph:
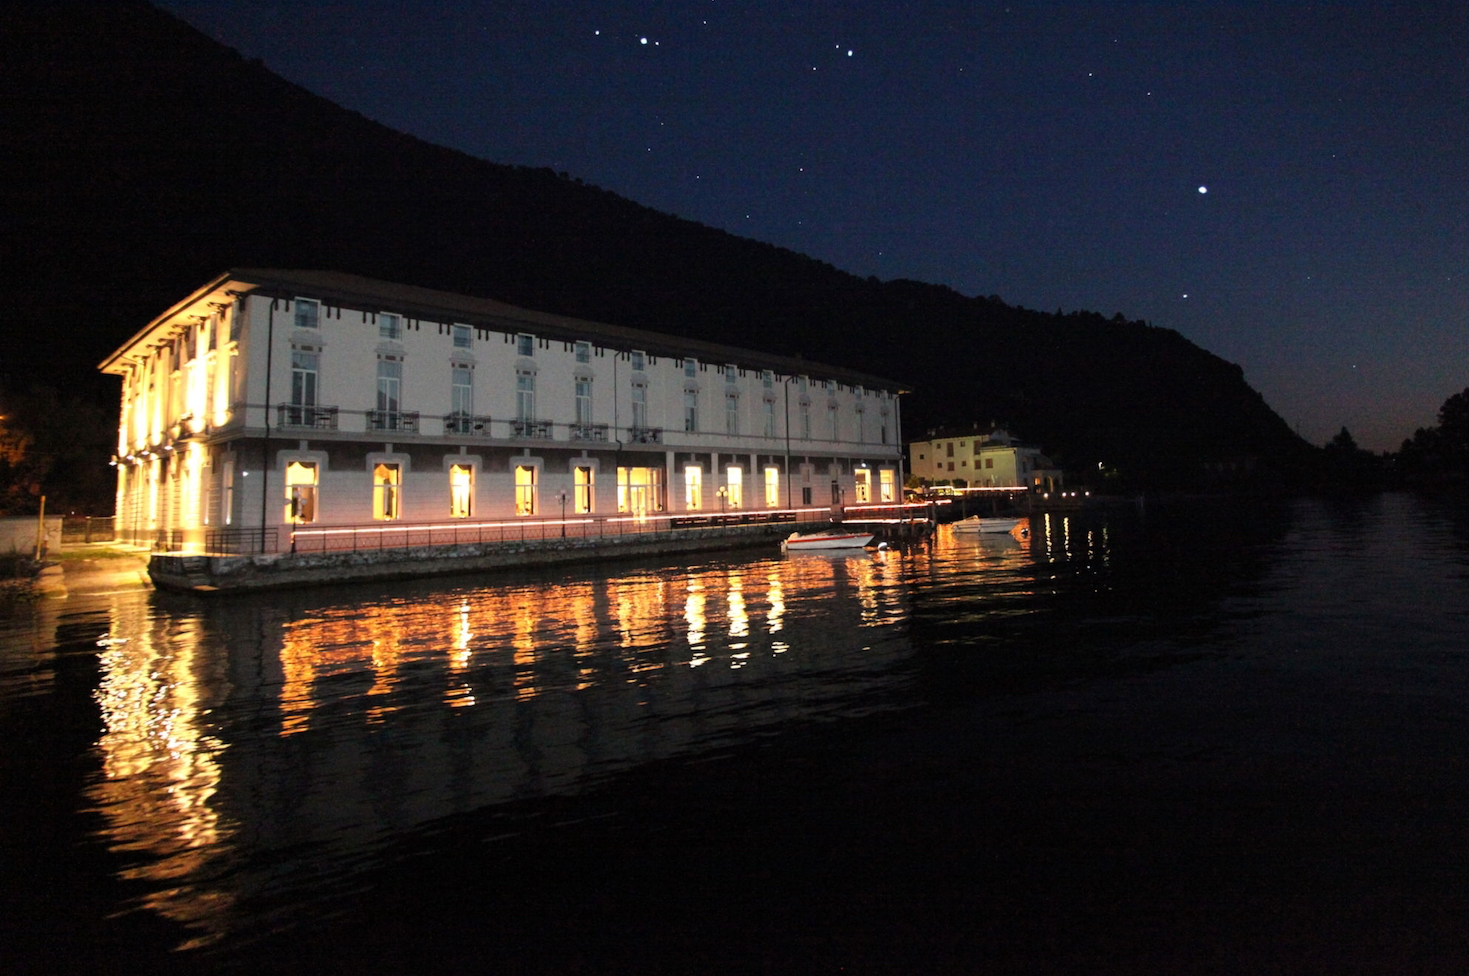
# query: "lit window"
{"type": "Point", "coordinates": [886, 483]}
{"type": "Point", "coordinates": [864, 486]}
{"type": "Point", "coordinates": [693, 487]}
{"type": "Point", "coordinates": [461, 490]}
{"type": "Point", "coordinates": [301, 492]}
{"type": "Point", "coordinates": [462, 337]}
{"type": "Point", "coordinates": [389, 326]}
{"type": "Point", "coordinates": [772, 487]}
{"type": "Point", "coordinates": [583, 490]}
{"type": "Point", "coordinates": [308, 313]}
{"type": "Point", "coordinates": [386, 479]}
{"type": "Point", "coordinates": [734, 482]}
{"type": "Point", "coordinates": [525, 345]}
{"type": "Point", "coordinates": [525, 489]}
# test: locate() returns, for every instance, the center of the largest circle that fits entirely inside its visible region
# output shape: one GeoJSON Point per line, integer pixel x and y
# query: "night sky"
{"type": "Point", "coordinates": [1285, 184]}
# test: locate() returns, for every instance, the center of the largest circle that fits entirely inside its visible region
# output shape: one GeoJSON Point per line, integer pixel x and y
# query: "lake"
{"type": "Point", "coordinates": [1174, 737]}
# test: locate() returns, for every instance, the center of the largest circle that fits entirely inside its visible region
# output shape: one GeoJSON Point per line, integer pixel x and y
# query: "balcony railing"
{"type": "Point", "coordinates": [393, 420]}
{"type": "Point", "coordinates": [589, 432]}
{"type": "Point", "coordinates": [304, 415]}
{"type": "Point", "coordinates": [463, 423]}
{"type": "Point", "coordinates": [531, 428]}
{"type": "Point", "coordinates": [645, 435]}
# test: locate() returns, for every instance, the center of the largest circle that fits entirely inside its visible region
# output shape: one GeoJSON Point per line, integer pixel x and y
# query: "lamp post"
{"type": "Point", "coordinates": [722, 493]}
{"type": "Point", "coordinates": [561, 495]}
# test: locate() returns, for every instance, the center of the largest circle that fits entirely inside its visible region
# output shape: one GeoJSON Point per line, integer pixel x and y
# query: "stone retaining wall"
{"type": "Point", "coordinates": [218, 574]}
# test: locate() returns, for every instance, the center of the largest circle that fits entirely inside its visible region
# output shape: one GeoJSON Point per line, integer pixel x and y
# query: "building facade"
{"type": "Point", "coordinates": [269, 400]}
{"type": "Point", "coordinates": [988, 459]}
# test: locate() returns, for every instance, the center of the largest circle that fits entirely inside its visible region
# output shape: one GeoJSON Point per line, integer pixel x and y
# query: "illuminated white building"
{"type": "Point", "coordinates": [990, 459]}
{"type": "Point", "coordinates": [271, 399]}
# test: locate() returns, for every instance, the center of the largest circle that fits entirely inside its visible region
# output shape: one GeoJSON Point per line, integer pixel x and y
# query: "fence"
{"type": "Point", "coordinates": [354, 538]}
{"type": "Point", "coordinates": [86, 528]}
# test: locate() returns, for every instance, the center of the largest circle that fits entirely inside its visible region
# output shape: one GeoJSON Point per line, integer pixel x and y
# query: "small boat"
{"type": "Point", "coordinates": [796, 542]}
{"type": "Point", "coordinates": [987, 524]}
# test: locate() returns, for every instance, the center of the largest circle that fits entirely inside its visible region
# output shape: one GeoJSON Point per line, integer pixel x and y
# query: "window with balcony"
{"type": "Point", "coordinates": [389, 393]}
{"type": "Point", "coordinates": [461, 397]}
{"type": "Point", "coordinates": [583, 401]}
{"type": "Point", "coordinates": [525, 395]}
{"type": "Point", "coordinates": [691, 410]}
{"type": "Point", "coordinates": [640, 405]}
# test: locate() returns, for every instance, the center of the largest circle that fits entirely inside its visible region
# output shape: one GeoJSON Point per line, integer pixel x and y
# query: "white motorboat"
{"type": "Point", "coordinates": [796, 542]}
{"type": "Point", "coordinates": [991, 523]}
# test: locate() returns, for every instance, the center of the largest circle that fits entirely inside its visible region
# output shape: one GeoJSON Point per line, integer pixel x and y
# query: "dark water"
{"type": "Point", "coordinates": [1196, 738]}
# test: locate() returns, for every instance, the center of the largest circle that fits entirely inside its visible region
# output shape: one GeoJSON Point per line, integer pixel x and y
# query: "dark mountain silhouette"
{"type": "Point", "coordinates": [142, 158]}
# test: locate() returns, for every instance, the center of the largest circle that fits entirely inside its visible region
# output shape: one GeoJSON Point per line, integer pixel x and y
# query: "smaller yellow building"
{"type": "Point", "coordinates": [982, 459]}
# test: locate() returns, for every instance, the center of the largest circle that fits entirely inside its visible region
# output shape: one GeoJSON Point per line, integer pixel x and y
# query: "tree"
{"type": "Point", "coordinates": [56, 446]}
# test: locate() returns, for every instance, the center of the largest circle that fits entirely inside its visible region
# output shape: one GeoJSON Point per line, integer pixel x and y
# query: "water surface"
{"type": "Point", "coordinates": [1189, 732]}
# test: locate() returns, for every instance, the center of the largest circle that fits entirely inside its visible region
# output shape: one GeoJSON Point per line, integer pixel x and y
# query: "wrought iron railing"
{"type": "Point", "coordinates": [463, 423]}
{"type": "Point", "coordinates": [304, 415]}
{"type": "Point", "coordinates": [241, 542]}
{"type": "Point", "coordinates": [395, 535]}
{"type": "Point", "coordinates": [645, 435]}
{"type": "Point", "coordinates": [531, 428]}
{"type": "Point", "coordinates": [589, 432]}
{"type": "Point", "coordinates": [403, 420]}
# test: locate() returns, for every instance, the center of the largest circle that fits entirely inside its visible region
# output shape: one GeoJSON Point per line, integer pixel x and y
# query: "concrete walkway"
{"type": "Point", "coordinates": [93, 568]}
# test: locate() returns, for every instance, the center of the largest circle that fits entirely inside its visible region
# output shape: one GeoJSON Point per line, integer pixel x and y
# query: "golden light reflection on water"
{"type": "Point", "coordinates": [160, 761]}
{"type": "Point", "coordinates": [552, 681]}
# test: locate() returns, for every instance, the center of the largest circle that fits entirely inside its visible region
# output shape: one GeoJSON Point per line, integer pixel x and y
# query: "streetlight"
{"type": "Point", "coordinates": [562, 496]}
{"type": "Point", "coordinates": [722, 492]}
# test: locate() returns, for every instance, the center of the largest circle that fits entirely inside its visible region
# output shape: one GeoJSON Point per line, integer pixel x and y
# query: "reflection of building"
{"type": "Point", "coordinates": [991, 459]}
{"type": "Point", "coordinates": [272, 398]}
